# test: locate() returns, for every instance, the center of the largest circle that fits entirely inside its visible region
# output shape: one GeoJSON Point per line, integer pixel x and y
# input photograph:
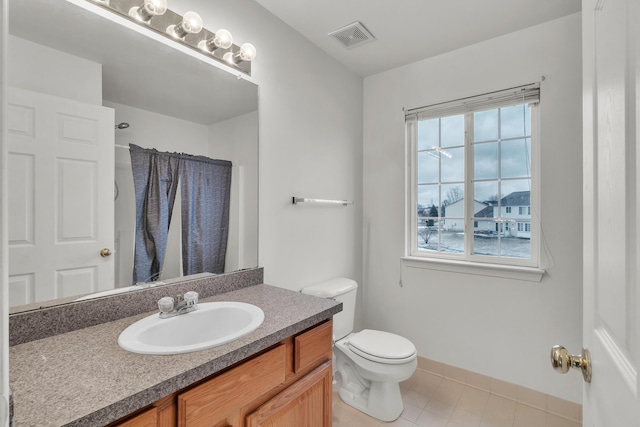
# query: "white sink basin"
{"type": "Point", "coordinates": [212, 324]}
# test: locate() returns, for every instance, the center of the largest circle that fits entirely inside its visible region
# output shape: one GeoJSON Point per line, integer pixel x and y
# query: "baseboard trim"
{"type": "Point", "coordinates": [552, 404]}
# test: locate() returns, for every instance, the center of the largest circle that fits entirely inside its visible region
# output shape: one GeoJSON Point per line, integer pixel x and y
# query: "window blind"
{"type": "Point", "coordinates": [527, 94]}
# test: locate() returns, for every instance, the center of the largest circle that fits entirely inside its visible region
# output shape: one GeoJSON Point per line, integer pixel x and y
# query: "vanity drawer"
{"type": "Point", "coordinates": [211, 402]}
{"type": "Point", "coordinates": [313, 347]}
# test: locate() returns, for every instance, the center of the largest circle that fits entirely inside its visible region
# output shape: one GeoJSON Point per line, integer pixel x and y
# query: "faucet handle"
{"type": "Point", "coordinates": [165, 304]}
{"type": "Point", "coordinates": [191, 298]}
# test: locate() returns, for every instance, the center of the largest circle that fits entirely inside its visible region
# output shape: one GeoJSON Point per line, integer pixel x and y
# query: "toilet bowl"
{"type": "Point", "coordinates": [371, 372]}
{"type": "Point", "coordinates": [371, 363]}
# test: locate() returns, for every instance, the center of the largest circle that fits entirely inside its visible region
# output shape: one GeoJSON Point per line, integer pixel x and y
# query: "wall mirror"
{"type": "Point", "coordinates": [76, 79]}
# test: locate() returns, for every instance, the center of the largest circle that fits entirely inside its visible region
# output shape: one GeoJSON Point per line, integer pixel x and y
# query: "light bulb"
{"type": "Point", "coordinates": [191, 24]}
{"type": "Point", "coordinates": [222, 39]}
{"type": "Point", "coordinates": [148, 10]}
{"type": "Point", "coordinates": [247, 52]}
{"type": "Point", "coordinates": [228, 57]}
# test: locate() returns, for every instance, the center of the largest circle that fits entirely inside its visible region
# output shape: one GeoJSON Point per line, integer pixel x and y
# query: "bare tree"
{"type": "Point", "coordinates": [426, 231]}
{"type": "Point", "coordinates": [454, 194]}
{"type": "Point", "coordinates": [428, 224]}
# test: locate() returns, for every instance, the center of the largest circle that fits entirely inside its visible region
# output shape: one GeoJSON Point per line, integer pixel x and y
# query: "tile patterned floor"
{"type": "Point", "coordinates": [434, 401]}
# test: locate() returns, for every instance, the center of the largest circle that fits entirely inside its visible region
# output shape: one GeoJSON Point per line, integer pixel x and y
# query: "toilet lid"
{"type": "Point", "coordinates": [383, 347]}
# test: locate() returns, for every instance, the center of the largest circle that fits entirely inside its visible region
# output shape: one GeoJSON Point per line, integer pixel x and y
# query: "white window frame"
{"type": "Point", "coordinates": [524, 269]}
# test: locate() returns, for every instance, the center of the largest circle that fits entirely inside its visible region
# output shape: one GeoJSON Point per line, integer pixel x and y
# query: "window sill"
{"type": "Point", "coordinates": [530, 274]}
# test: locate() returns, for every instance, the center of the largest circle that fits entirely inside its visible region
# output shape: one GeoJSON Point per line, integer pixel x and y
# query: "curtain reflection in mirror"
{"type": "Point", "coordinates": [205, 187]}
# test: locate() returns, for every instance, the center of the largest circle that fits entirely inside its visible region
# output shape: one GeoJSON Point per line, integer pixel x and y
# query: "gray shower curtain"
{"type": "Point", "coordinates": [205, 190]}
{"type": "Point", "coordinates": [205, 186]}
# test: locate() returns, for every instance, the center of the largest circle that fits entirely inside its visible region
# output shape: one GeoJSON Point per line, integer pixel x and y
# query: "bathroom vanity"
{"type": "Point", "coordinates": [279, 372]}
{"type": "Point", "coordinates": [289, 384]}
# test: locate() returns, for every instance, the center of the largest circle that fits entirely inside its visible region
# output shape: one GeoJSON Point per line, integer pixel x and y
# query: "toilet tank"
{"type": "Point", "coordinates": [343, 290]}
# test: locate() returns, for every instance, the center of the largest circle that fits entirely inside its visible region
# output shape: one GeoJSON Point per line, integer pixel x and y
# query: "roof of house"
{"type": "Point", "coordinates": [485, 213]}
{"type": "Point", "coordinates": [517, 198]}
{"type": "Point", "coordinates": [462, 200]}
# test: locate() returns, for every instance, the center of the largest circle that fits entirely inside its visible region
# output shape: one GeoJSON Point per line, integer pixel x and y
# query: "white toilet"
{"type": "Point", "coordinates": [371, 363]}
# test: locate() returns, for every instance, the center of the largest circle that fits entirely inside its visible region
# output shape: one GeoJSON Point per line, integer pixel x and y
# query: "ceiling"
{"type": "Point", "coordinates": [410, 30]}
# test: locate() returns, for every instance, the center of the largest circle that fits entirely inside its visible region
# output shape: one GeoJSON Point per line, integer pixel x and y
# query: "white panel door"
{"type": "Point", "coordinates": [60, 174]}
{"type": "Point", "coordinates": [611, 211]}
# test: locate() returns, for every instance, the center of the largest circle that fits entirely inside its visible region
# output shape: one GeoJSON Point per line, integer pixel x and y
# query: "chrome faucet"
{"type": "Point", "coordinates": [170, 306]}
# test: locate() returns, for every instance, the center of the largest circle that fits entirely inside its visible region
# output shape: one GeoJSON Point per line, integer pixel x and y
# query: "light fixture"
{"type": "Point", "coordinates": [246, 53]}
{"type": "Point", "coordinates": [186, 30]}
{"type": "Point", "coordinates": [441, 151]}
{"type": "Point", "coordinates": [191, 24]}
{"type": "Point", "coordinates": [222, 39]}
{"type": "Point", "coordinates": [148, 10]}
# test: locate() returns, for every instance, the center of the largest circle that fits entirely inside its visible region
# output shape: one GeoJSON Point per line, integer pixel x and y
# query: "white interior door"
{"type": "Point", "coordinates": [611, 211]}
{"type": "Point", "coordinates": [60, 167]}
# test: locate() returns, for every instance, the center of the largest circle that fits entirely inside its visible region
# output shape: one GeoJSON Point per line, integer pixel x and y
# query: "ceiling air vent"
{"type": "Point", "coordinates": [352, 35]}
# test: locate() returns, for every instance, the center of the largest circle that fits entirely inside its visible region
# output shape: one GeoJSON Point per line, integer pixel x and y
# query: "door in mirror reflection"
{"type": "Point", "coordinates": [60, 167]}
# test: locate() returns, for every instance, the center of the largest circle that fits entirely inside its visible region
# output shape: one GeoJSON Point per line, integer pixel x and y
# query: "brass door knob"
{"type": "Point", "coordinates": [105, 252]}
{"type": "Point", "coordinates": [562, 361]}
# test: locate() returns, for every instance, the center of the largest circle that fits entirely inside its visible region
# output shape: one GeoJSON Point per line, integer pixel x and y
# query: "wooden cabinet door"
{"type": "Point", "coordinates": [216, 402]}
{"type": "Point", "coordinates": [161, 414]}
{"type": "Point", "coordinates": [305, 403]}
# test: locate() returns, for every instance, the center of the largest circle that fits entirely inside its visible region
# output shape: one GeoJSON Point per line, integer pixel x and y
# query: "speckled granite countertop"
{"type": "Point", "coordinates": [83, 378]}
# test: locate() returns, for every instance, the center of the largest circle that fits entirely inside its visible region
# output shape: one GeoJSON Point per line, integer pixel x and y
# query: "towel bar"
{"type": "Point", "coordinates": [296, 200]}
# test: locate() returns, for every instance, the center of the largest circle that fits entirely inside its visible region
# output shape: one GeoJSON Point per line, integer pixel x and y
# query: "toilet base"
{"type": "Point", "coordinates": [379, 399]}
{"type": "Point", "coordinates": [369, 402]}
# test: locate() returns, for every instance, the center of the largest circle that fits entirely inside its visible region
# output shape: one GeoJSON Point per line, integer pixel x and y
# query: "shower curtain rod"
{"type": "Point", "coordinates": [126, 147]}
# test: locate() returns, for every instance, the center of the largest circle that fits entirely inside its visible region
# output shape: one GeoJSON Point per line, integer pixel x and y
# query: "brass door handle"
{"type": "Point", "coordinates": [105, 252]}
{"type": "Point", "coordinates": [561, 361]}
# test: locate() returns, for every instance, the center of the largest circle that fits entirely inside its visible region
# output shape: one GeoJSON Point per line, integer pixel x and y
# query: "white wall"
{"type": "Point", "coordinates": [497, 327]}
{"type": "Point", "coordinates": [41, 69]}
{"type": "Point", "coordinates": [236, 140]}
{"type": "Point", "coordinates": [164, 133]}
{"type": "Point", "coordinates": [310, 146]}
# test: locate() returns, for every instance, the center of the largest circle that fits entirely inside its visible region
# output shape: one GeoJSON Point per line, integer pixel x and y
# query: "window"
{"type": "Point", "coordinates": [471, 163]}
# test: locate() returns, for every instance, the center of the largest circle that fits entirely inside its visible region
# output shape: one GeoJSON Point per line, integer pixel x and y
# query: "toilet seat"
{"type": "Point", "coordinates": [382, 347]}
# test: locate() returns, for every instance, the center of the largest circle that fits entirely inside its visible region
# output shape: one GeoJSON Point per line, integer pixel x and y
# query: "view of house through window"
{"type": "Point", "coordinates": [472, 184]}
